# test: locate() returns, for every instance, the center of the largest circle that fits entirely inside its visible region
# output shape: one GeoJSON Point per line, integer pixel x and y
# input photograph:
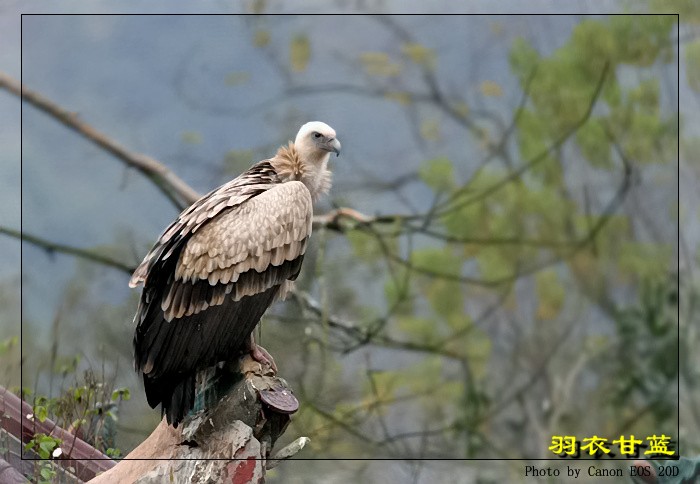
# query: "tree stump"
{"type": "Point", "coordinates": [239, 415]}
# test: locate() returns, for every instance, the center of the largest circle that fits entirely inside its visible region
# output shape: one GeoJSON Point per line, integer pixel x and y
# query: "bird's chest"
{"type": "Point", "coordinates": [318, 181]}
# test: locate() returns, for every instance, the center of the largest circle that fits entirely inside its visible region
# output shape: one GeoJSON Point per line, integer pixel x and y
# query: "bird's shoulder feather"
{"type": "Point", "coordinates": [241, 250]}
{"type": "Point", "coordinates": [257, 179]}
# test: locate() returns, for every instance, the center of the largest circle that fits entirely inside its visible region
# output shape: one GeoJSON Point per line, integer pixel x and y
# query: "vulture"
{"type": "Point", "coordinates": [215, 270]}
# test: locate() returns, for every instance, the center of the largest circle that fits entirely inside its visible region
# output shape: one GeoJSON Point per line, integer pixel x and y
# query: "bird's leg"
{"type": "Point", "coordinates": [260, 354]}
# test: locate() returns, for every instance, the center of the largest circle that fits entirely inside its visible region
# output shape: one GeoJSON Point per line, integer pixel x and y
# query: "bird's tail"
{"type": "Point", "coordinates": [176, 396]}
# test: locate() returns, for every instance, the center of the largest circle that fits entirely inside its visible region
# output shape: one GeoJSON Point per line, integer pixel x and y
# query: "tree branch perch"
{"type": "Point", "coordinates": [229, 441]}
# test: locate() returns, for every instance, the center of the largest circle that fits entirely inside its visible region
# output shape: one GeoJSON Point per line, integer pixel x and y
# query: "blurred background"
{"type": "Point", "coordinates": [520, 280]}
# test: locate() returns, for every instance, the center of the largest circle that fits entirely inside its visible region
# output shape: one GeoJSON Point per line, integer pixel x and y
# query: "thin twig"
{"type": "Point", "coordinates": [451, 203]}
{"type": "Point", "coordinates": [51, 247]}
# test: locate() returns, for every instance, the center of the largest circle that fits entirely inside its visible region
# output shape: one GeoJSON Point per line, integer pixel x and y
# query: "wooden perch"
{"type": "Point", "coordinates": [229, 441]}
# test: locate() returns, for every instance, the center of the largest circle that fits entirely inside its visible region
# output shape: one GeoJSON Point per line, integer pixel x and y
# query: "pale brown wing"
{"type": "Point", "coordinates": [259, 178]}
{"type": "Point", "coordinates": [236, 253]}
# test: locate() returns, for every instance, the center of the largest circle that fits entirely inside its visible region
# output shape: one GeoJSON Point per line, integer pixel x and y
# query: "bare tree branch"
{"type": "Point", "coordinates": [176, 189]}
{"type": "Point", "coordinates": [52, 247]}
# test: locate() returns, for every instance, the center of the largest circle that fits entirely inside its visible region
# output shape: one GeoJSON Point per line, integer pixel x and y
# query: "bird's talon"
{"type": "Point", "coordinates": [261, 355]}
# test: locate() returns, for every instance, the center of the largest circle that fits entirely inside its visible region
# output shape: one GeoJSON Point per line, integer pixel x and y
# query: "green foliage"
{"type": "Point", "coordinates": [476, 347]}
{"type": "Point", "coordinates": [503, 223]}
{"type": "Point", "coordinates": [48, 474]}
{"type": "Point", "coordinates": [692, 64]}
{"type": "Point", "coordinates": [438, 260]}
{"type": "Point", "coordinates": [510, 223]}
{"type": "Point", "coordinates": [46, 447]}
{"type": "Point", "coordinates": [639, 39]}
{"type": "Point", "coordinates": [438, 174]}
{"type": "Point", "coordinates": [7, 344]}
{"type": "Point", "coordinates": [688, 10]}
{"type": "Point", "coordinates": [419, 329]}
{"type": "Point", "coordinates": [397, 296]}
{"type": "Point", "coordinates": [523, 59]}
{"type": "Point", "coordinates": [592, 44]}
{"type": "Point", "coordinates": [113, 453]}
{"type": "Point", "coordinates": [495, 263]}
{"type": "Point", "coordinates": [40, 412]}
{"type": "Point", "coordinates": [364, 245]}
{"type": "Point", "coordinates": [566, 79]}
{"type": "Point", "coordinates": [645, 97]}
{"type": "Point", "coordinates": [645, 136]}
{"type": "Point", "coordinates": [646, 336]}
{"type": "Point", "coordinates": [87, 408]}
{"type": "Point", "coordinates": [67, 365]}
{"type": "Point", "coordinates": [550, 294]}
{"type": "Point", "coordinates": [43, 445]}
{"type": "Point", "coordinates": [121, 394]}
{"type": "Point", "coordinates": [533, 134]}
{"type": "Point", "coordinates": [447, 299]}
{"type": "Point", "coordinates": [191, 138]}
{"type": "Point", "coordinates": [465, 221]}
{"type": "Point", "coordinates": [645, 260]}
{"type": "Point", "coordinates": [595, 144]}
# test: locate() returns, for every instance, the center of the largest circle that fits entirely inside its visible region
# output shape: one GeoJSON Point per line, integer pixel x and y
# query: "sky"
{"type": "Point", "coordinates": [149, 81]}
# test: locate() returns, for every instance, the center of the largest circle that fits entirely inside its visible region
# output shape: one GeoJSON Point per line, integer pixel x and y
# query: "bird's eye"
{"type": "Point", "coordinates": [317, 135]}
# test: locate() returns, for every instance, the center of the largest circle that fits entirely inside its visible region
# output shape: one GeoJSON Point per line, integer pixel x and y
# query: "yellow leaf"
{"type": "Point", "coordinates": [430, 130]}
{"type": "Point", "coordinates": [462, 109]}
{"type": "Point", "coordinates": [491, 89]}
{"type": "Point", "coordinates": [379, 64]}
{"type": "Point", "coordinates": [299, 53]}
{"type": "Point", "coordinates": [400, 97]}
{"type": "Point", "coordinates": [237, 78]}
{"type": "Point", "coordinates": [191, 137]}
{"type": "Point", "coordinates": [419, 54]}
{"type": "Point", "coordinates": [261, 38]}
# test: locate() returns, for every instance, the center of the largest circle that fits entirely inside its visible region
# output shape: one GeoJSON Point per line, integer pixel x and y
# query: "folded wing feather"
{"type": "Point", "coordinates": [261, 233]}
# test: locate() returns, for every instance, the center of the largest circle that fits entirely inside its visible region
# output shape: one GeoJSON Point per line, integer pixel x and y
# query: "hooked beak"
{"type": "Point", "coordinates": [334, 146]}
